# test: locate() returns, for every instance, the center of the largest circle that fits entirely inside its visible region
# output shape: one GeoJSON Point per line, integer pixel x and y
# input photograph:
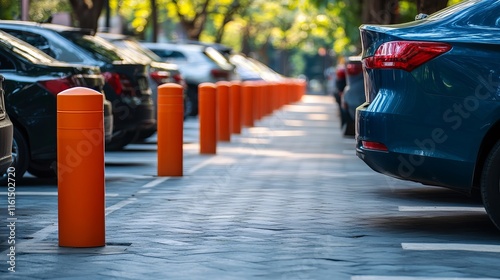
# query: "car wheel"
{"type": "Point", "coordinates": [348, 126]}
{"type": "Point", "coordinates": [43, 169]}
{"type": "Point", "coordinates": [121, 140]}
{"type": "Point", "coordinates": [20, 157]}
{"type": "Point", "coordinates": [490, 185]}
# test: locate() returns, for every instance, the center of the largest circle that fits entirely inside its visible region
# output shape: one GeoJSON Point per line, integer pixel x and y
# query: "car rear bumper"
{"type": "Point", "coordinates": [407, 158]}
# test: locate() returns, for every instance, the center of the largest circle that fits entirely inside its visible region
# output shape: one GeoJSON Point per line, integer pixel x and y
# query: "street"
{"type": "Point", "coordinates": [286, 199]}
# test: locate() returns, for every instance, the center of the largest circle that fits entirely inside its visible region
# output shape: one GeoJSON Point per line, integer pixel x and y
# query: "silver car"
{"type": "Point", "coordinates": [197, 63]}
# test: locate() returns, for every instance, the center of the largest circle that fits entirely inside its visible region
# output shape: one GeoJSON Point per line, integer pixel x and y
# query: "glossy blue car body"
{"type": "Point", "coordinates": [437, 123]}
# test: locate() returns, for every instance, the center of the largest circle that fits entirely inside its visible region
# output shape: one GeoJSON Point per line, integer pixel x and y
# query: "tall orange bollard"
{"type": "Point", "coordinates": [170, 129]}
{"type": "Point", "coordinates": [80, 163]}
{"type": "Point", "coordinates": [223, 124]}
{"type": "Point", "coordinates": [235, 107]}
{"type": "Point", "coordinates": [247, 104]}
{"type": "Point", "coordinates": [206, 115]}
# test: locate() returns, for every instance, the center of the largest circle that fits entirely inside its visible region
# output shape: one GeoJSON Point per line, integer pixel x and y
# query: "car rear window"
{"type": "Point", "coordinates": [97, 47]}
{"type": "Point", "coordinates": [217, 57]}
{"type": "Point", "coordinates": [24, 50]}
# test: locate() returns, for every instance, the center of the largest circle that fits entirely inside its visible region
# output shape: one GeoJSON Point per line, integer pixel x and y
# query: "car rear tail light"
{"type": "Point", "coordinates": [340, 73]}
{"type": "Point", "coordinates": [405, 55]}
{"type": "Point", "coordinates": [376, 146]}
{"type": "Point", "coordinates": [354, 68]}
{"type": "Point", "coordinates": [160, 77]}
{"type": "Point", "coordinates": [219, 74]}
{"type": "Point", "coordinates": [58, 85]}
{"type": "Point", "coordinates": [119, 82]}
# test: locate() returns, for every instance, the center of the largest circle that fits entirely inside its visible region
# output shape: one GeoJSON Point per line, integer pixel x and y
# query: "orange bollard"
{"type": "Point", "coordinates": [223, 126]}
{"type": "Point", "coordinates": [262, 103]}
{"type": "Point", "coordinates": [80, 164]}
{"type": "Point", "coordinates": [206, 115]}
{"type": "Point", "coordinates": [235, 107]}
{"type": "Point", "coordinates": [256, 93]}
{"type": "Point", "coordinates": [275, 96]}
{"type": "Point", "coordinates": [247, 104]}
{"type": "Point", "coordinates": [170, 129]}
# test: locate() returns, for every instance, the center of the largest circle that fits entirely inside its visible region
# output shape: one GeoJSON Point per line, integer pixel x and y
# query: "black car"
{"type": "Point", "coordinates": [5, 134]}
{"type": "Point", "coordinates": [32, 82]}
{"type": "Point", "coordinates": [126, 82]}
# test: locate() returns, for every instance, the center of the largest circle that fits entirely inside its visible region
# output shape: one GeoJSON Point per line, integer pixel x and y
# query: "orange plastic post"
{"type": "Point", "coordinates": [275, 96]}
{"type": "Point", "coordinates": [262, 103]}
{"type": "Point", "coordinates": [223, 126]}
{"type": "Point", "coordinates": [256, 93]}
{"type": "Point", "coordinates": [267, 99]}
{"type": "Point", "coordinates": [247, 104]}
{"type": "Point", "coordinates": [206, 115]}
{"type": "Point", "coordinates": [80, 163]}
{"type": "Point", "coordinates": [235, 107]}
{"type": "Point", "coordinates": [170, 129]}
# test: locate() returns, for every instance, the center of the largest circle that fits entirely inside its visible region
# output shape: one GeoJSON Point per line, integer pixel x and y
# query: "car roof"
{"type": "Point", "coordinates": [52, 26]}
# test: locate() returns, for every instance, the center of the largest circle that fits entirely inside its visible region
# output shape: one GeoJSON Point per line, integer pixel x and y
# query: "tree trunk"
{"type": "Point", "coordinates": [87, 13]}
{"type": "Point", "coordinates": [380, 11]}
{"type": "Point", "coordinates": [430, 6]}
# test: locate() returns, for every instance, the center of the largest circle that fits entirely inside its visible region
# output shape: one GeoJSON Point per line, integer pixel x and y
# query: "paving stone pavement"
{"type": "Point", "coordinates": [277, 202]}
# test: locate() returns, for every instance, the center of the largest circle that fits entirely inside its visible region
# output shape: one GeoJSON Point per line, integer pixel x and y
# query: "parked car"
{"type": "Point", "coordinates": [159, 72]}
{"type": "Point", "coordinates": [126, 82]}
{"type": "Point", "coordinates": [6, 131]}
{"type": "Point", "coordinates": [432, 111]}
{"type": "Point", "coordinates": [353, 93]}
{"type": "Point", "coordinates": [197, 63]}
{"type": "Point", "coordinates": [32, 82]}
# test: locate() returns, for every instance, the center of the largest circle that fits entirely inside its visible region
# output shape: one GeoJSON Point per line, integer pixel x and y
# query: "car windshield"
{"type": "Point", "coordinates": [139, 48]}
{"type": "Point", "coordinates": [216, 56]}
{"type": "Point", "coordinates": [453, 9]}
{"type": "Point", "coordinates": [24, 50]}
{"type": "Point", "coordinates": [96, 46]}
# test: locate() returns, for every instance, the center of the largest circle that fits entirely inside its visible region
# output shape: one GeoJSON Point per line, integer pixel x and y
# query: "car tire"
{"type": "Point", "coordinates": [348, 125]}
{"type": "Point", "coordinates": [121, 140]}
{"type": "Point", "coordinates": [43, 169]}
{"type": "Point", "coordinates": [490, 185]}
{"type": "Point", "coordinates": [20, 157]}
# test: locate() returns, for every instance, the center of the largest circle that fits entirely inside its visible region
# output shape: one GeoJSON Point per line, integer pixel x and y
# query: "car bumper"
{"type": "Point", "coordinates": [407, 157]}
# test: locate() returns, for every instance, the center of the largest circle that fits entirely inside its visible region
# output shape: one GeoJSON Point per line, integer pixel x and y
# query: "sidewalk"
{"type": "Point", "coordinates": [266, 206]}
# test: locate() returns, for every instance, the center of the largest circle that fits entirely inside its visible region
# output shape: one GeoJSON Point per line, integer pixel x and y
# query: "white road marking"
{"type": "Point", "coordinates": [120, 205]}
{"type": "Point", "coordinates": [440, 208]}
{"type": "Point", "coordinates": [384, 277]}
{"type": "Point", "coordinates": [155, 182]}
{"type": "Point", "coordinates": [489, 248]}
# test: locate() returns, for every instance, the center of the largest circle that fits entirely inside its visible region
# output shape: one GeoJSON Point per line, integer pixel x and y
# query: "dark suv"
{"type": "Point", "coordinates": [126, 81]}
{"type": "Point", "coordinates": [32, 82]}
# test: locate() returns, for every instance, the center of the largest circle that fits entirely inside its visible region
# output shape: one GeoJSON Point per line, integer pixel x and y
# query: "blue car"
{"type": "Point", "coordinates": [432, 110]}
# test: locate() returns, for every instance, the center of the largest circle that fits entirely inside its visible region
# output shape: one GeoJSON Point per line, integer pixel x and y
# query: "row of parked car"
{"type": "Point", "coordinates": [39, 60]}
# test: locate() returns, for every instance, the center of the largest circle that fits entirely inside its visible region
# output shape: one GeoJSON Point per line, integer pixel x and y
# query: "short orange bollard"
{"type": "Point", "coordinates": [247, 104]}
{"type": "Point", "coordinates": [206, 115]}
{"type": "Point", "coordinates": [223, 126]}
{"type": "Point", "coordinates": [235, 107]}
{"type": "Point", "coordinates": [170, 129]}
{"type": "Point", "coordinates": [80, 163]}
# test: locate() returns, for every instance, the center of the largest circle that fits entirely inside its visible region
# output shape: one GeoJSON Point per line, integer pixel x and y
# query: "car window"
{"type": "Point", "coordinates": [50, 47]}
{"type": "Point", "coordinates": [6, 63]}
{"type": "Point", "coordinates": [170, 55]}
{"type": "Point", "coordinates": [97, 47]}
{"type": "Point", "coordinates": [217, 57]}
{"type": "Point", "coordinates": [24, 50]}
